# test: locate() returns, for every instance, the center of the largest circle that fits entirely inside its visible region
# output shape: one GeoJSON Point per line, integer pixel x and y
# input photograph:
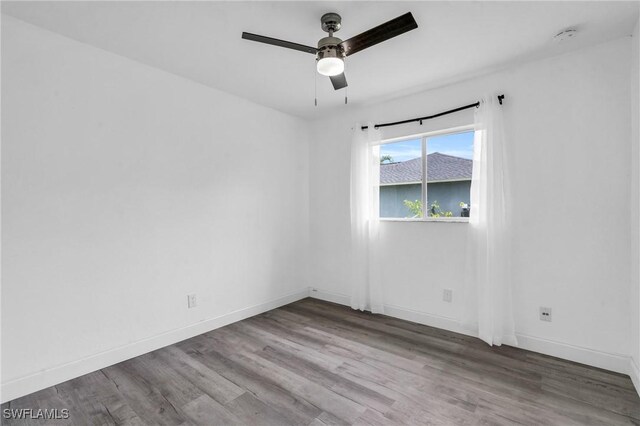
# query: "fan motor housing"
{"type": "Point", "coordinates": [329, 47]}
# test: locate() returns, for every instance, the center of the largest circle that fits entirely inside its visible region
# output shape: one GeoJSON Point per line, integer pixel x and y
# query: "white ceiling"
{"type": "Point", "coordinates": [201, 41]}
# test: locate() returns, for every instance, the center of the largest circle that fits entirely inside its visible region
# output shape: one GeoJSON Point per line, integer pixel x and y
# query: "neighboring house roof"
{"type": "Point", "coordinates": [439, 167]}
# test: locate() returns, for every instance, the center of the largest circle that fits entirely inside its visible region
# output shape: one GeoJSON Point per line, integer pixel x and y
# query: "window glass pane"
{"type": "Point", "coordinates": [449, 168]}
{"type": "Point", "coordinates": [401, 179]}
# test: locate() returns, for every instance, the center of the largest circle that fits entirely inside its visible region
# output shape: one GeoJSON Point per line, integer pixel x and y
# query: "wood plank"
{"type": "Point", "coordinates": [208, 381]}
{"type": "Point", "coordinates": [321, 397]}
{"type": "Point", "coordinates": [147, 401]}
{"type": "Point", "coordinates": [251, 411]}
{"type": "Point", "coordinates": [206, 411]}
{"type": "Point", "coordinates": [297, 410]}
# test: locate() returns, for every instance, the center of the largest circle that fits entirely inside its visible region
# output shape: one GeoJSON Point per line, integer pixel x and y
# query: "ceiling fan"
{"type": "Point", "coordinates": [331, 50]}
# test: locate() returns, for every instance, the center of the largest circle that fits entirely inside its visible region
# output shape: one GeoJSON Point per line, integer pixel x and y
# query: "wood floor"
{"type": "Point", "coordinates": [316, 363]}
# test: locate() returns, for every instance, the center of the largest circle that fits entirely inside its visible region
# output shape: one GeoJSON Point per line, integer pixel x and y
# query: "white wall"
{"type": "Point", "coordinates": [568, 128]}
{"type": "Point", "coordinates": [635, 208]}
{"type": "Point", "coordinates": [124, 189]}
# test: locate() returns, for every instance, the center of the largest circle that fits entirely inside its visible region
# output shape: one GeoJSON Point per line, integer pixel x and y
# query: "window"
{"type": "Point", "coordinates": [435, 167]}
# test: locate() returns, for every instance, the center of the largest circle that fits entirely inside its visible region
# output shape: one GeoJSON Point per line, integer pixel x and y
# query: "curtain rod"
{"type": "Point", "coordinates": [420, 119]}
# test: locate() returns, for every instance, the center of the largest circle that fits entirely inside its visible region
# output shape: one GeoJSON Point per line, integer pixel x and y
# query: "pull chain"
{"type": "Point", "coordinates": [315, 86]}
{"type": "Point", "coordinates": [346, 94]}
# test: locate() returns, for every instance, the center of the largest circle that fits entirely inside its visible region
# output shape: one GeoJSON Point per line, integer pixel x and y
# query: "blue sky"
{"type": "Point", "coordinates": [458, 145]}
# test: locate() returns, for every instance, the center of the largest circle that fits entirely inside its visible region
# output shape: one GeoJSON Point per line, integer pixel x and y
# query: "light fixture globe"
{"type": "Point", "coordinates": [330, 56]}
{"type": "Point", "coordinates": [330, 66]}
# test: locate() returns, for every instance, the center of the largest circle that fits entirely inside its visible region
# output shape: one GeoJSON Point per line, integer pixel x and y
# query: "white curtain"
{"type": "Point", "coordinates": [365, 223]}
{"type": "Point", "coordinates": [488, 298]}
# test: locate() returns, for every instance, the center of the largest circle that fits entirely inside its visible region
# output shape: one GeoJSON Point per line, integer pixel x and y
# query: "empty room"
{"type": "Point", "coordinates": [320, 213]}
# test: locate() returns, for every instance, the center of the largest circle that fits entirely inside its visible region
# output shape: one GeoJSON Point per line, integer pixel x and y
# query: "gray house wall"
{"type": "Point", "coordinates": [392, 199]}
{"type": "Point", "coordinates": [447, 194]}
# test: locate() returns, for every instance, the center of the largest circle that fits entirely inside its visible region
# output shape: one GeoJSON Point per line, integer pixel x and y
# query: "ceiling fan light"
{"type": "Point", "coordinates": [330, 66]}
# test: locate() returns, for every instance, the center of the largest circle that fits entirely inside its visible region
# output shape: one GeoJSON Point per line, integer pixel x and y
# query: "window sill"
{"type": "Point", "coordinates": [429, 219]}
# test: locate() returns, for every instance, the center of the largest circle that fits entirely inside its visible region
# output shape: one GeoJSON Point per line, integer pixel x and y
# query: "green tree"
{"type": "Point", "coordinates": [436, 211]}
{"type": "Point", "coordinates": [415, 207]}
{"type": "Point", "coordinates": [387, 158]}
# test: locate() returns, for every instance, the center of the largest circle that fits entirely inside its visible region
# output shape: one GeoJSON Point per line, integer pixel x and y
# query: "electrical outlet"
{"type": "Point", "coordinates": [545, 314]}
{"type": "Point", "coordinates": [447, 295]}
{"type": "Point", "coordinates": [191, 301]}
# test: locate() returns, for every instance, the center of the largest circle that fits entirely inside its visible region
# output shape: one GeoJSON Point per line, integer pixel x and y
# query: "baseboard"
{"type": "Point", "coordinates": [42, 379]}
{"type": "Point", "coordinates": [445, 323]}
{"type": "Point", "coordinates": [634, 373]}
{"type": "Point", "coordinates": [608, 361]}
{"type": "Point", "coordinates": [50, 377]}
{"type": "Point", "coordinates": [340, 299]}
{"type": "Point", "coordinates": [437, 321]}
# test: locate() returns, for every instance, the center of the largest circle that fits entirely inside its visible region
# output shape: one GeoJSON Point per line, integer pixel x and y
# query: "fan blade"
{"type": "Point", "coordinates": [381, 33]}
{"type": "Point", "coordinates": [280, 43]}
{"type": "Point", "coordinates": [339, 81]}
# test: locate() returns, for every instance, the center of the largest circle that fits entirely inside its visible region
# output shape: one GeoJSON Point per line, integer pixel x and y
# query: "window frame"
{"type": "Point", "coordinates": [423, 140]}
